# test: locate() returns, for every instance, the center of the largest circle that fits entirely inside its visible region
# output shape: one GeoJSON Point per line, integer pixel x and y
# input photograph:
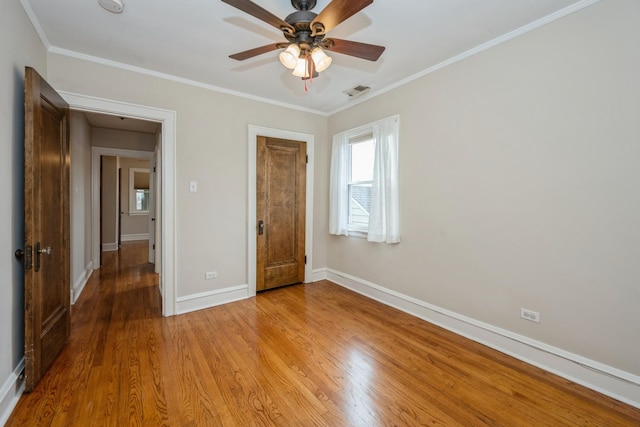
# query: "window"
{"type": "Point", "coordinates": [142, 200]}
{"type": "Point", "coordinates": [138, 191]}
{"type": "Point", "coordinates": [361, 156]}
{"type": "Point", "coordinates": [364, 198]}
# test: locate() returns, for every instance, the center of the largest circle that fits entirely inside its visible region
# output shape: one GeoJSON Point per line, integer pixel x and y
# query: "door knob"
{"type": "Point", "coordinates": [260, 228]}
{"type": "Point", "coordinates": [46, 251]}
{"type": "Point", "coordinates": [26, 254]}
{"type": "Point", "coordinates": [38, 251]}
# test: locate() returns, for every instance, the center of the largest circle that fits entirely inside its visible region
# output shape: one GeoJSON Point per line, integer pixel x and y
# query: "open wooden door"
{"type": "Point", "coordinates": [281, 169]}
{"type": "Point", "coordinates": [152, 211]}
{"type": "Point", "coordinates": [47, 245]}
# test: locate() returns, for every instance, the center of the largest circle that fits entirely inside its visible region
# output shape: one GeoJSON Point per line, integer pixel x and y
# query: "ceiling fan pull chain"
{"type": "Point", "coordinates": [306, 67]}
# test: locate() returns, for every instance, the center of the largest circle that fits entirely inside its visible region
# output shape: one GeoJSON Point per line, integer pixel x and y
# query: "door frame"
{"type": "Point", "coordinates": [254, 132]}
{"type": "Point", "coordinates": [96, 154]}
{"type": "Point", "coordinates": [167, 119]}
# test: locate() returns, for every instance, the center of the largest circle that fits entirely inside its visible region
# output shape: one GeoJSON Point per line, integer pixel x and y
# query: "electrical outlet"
{"type": "Point", "coordinates": [210, 275]}
{"type": "Point", "coordinates": [530, 315]}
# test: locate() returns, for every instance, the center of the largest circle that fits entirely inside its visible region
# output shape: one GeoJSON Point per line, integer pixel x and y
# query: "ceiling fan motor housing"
{"type": "Point", "coordinates": [301, 22]}
{"type": "Point", "coordinates": [307, 29]}
{"type": "Point", "coordinates": [303, 4]}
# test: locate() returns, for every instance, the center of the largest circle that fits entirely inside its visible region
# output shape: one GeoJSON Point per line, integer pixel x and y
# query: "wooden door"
{"type": "Point", "coordinates": [152, 211]}
{"type": "Point", "coordinates": [46, 206]}
{"type": "Point", "coordinates": [280, 202]}
{"type": "Point", "coordinates": [119, 208]}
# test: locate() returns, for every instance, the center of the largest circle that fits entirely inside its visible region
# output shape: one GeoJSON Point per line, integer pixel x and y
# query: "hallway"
{"type": "Point", "coordinates": [99, 371]}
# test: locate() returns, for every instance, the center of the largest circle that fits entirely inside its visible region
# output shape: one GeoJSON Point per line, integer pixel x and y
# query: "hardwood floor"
{"type": "Point", "coordinates": [306, 355]}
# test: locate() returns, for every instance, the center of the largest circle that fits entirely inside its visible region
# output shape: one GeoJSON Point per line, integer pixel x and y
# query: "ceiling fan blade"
{"type": "Point", "coordinates": [336, 12]}
{"type": "Point", "coordinates": [253, 9]}
{"type": "Point", "coordinates": [241, 56]}
{"type": "Point", "coordinates": [370, 52]}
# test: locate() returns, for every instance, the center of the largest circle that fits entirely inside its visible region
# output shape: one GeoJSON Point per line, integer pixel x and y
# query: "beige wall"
{"type": "Point", "coordinates": [109, 202]}
{"type": "Point", "coordinates": [19, 46]}
{"type": "Point", "coordinates": [122, 139]}
{"type": "Point", "coordinates": [519, 179]}
{"type": "Point", "coordinates": [125, 140]}
{"type": "Point", "coordinates": [80, 187]}
{"type": "Point", "coordinates": [211, 148]}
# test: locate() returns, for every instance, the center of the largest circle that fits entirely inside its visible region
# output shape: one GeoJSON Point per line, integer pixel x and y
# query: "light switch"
{"type": "Point", "coordinates": [193, 186]}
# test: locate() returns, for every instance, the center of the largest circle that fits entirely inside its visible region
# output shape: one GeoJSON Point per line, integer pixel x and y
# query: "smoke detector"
{"type": "Point", "coordinates": [357, 91]}
{"type": "Point", "coordinates": [114, 6]}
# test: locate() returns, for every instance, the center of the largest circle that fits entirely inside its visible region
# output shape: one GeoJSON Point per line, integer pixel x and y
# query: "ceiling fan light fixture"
{"type": "Point", "coordinates": [289, 57]}
{"type": "Point", "coordinates": [302, 69]}
{"type": "Point", "coordinates": [320, 59]}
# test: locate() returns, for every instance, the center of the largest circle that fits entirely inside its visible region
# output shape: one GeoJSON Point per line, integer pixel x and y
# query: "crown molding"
{"type": "Point", "coordinates": [371, 95]}
{"type": "Point", "coordinates": [175, 79]}
{"type": "Point", "coordinates": [481, 48]}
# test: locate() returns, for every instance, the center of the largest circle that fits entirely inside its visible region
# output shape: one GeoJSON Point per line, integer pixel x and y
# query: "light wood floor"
{"type": "Point", "coordinates": [306, 355]}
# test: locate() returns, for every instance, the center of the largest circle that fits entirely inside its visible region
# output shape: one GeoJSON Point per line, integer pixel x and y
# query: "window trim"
{"type": "Point", "coordinates": [132, 191]}
{"type": "Point", "coordinates": [357, 136]}
{"type": "Point", "coordinates": [384, 222]}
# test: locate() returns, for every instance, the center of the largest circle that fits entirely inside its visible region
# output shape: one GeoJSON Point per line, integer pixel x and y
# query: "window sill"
{"type": "Point", "coordinates": [358, 233]}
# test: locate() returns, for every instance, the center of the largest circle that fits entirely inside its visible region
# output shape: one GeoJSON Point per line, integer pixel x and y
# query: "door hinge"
{"type": "Point", "coordinates": [154, 169]}
{"type": "Point", "coordinates": [305, 260]}
{"type": "Point", "coordinates": [307, 157]}
{"type": "Point", "coordinates": [154, 247]}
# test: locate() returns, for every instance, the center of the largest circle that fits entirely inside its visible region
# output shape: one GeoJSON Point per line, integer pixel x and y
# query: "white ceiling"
{"type": "Point", "coordinates": [122, 123]}
{"type": "Point", "coordinates": [192, 39]}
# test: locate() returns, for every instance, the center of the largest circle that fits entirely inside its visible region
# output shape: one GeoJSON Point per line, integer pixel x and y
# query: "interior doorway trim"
{"type": "Point", "coordinates": [96, 153]}
{"type": "Point", "coordinates": [254, 132]}
{"type": "Point", "coordinates": [167, 119]}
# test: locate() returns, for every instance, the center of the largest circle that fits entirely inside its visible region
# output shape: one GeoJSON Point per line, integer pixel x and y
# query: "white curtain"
{"type": "Point", "coordinates": [338, 191]}
{"type": "Point", "coordinates": [384, 217]}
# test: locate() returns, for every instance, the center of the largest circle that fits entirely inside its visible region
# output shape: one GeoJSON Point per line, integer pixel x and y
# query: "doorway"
{"type": "Point", "coordinates": [281, 203]}
{"type": "Point", "coordinates": [308, 139]}
{"type": "Point", "coordinates": [166, 178]}
{"type": "Point", "coordinates": [126, 209]}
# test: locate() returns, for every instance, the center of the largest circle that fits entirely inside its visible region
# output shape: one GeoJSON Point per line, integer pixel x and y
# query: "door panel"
{"type": "Point", "coordinates": [47, 282]}
{"type": "Point", "coordinates": [281, 202]}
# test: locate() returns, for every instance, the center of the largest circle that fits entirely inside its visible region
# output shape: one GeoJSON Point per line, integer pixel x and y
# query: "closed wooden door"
{"type": "Point", "coordinates": [46, 206]}
{"type": "Point", "coordinates": [280, 201]}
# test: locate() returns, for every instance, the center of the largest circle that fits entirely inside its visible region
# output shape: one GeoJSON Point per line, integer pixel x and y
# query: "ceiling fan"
{"type": "Point", "coordinates": [305, 33]}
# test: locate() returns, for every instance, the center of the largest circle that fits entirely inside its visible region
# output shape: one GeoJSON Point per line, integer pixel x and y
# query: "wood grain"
{"type": "Point", "coordinates": [281, 204]}
{"type": "Point", "coordinates": [303, 355]}
{"type": "Point", "coordinates": [46, 222]}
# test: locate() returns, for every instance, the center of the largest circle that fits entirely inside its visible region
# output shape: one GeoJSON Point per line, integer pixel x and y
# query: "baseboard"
{"type": "Point", "coordinates": [10, 393]}
{"type": "Point", "coordinates": [132, 237]}
{"type": "Point", "coordinates": [605, 379]}
{"type": "Point", "coordinates": [210, 299]}
{"type": "Point", "coordinates": [109, 247]}
{"type": "Point", "coordinates": [79, 284]}
{"type": "Point", "coordinates": [318, 275]}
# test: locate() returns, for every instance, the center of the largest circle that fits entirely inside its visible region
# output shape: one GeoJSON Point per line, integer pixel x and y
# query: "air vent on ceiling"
{"type": "Point", "coordinates": [357, 91]}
